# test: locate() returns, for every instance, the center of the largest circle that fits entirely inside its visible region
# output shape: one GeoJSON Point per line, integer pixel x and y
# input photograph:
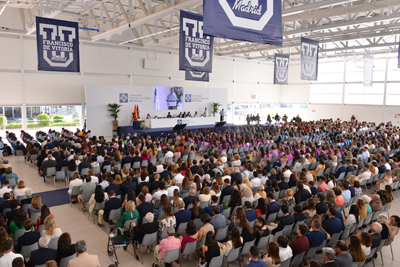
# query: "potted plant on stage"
{"type": "Point", "coordinates": [114, 109]}
{"type": "Point", "coordinates": [215, 107]}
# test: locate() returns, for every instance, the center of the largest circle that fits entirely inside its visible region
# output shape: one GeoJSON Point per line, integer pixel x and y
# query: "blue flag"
{"type": "Point", "coordinates": [309, 59]}
{"type": "Point", "coordinates": [57, 45]}
{"type": "Point", "coordinates": [195, 48]}
{"type": "Point", "coordinates": [197, 76]}
{"type": "Point", "coordinates": [281, 70]}
{"type": "Point", "coordinates": [258, 21]}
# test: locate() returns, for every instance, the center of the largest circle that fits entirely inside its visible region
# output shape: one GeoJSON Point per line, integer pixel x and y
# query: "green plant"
{"type": "Point", "coordinates": [43, 119]}
{"type": "Point", "coordinates": [1, 121]}
{"type": "Point", "coordinates": [14, 125]}
{"type": "Point", "coordinates": [31, 118]}
{"type": "Point", "coordinates": [143, 125]}
{"type": "Point", "coordinates": [57, 118]}
{"type": "Point", "coordinates": [215, 106]}
{"type": "Point", "coordinates": [114, 109]}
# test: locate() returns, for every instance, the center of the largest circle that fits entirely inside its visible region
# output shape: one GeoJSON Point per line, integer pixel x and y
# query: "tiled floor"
{"type": "Point", "coordinates": [73, 221]}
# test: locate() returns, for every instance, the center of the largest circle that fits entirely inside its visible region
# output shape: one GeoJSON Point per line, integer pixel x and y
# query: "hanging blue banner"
{"type": "Point", "coordinates": [368, 68]}
{"type": "Point", "coordinates": [309, 59]}
{"type": "Point", "coordinates": [281, 70]}
{"type": "Point", "coordinates": [57, 45]}
{"type": "Point", "coordinates": [258, 21]}
{"type": "Point", "coordinates": [195, 48]}
{"type": "Point", "coordinates": [197, 76]}
{"type": "Point", "coordinates": [398, 56]}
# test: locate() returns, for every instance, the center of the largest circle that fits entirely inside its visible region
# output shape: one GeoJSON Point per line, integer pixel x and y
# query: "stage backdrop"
{"type": "Point", "coordinates": [99, 121]}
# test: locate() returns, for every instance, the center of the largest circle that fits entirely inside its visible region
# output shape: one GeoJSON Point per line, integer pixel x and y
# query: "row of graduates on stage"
{"type": "Point", "coordinates": [250, 118]}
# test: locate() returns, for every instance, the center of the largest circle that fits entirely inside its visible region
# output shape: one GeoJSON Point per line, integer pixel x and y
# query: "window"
{"type": "Point", "coordinates": [13, 117]}
{"type": "Point", "coordinates": [369, 95]}
{"type": "Point", "coordinates": [326, 93]}
{"type": "Point", "coordinates": [53, 116]}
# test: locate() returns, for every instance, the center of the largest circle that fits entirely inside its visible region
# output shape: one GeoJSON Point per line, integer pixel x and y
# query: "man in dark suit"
{"type": "Point", "coordinates": [298, 213]}
{"type": "Point", "coordinates": [112, 186]}
{"type": "Point", "coordinates": [268, 167]}
{"type": "Point", "coordinates": [43, 254]}
{"type": "Point", "coordinates": [166, 171]}
{"type": "Point", "coordinates": [376, 229]}
{"type": "Point", "coordinates": [341, 169]}
{"type": "Point", "coordinates": [106, 162]}
{"type": "Point", "coordinates": [6, 203]}
{"type": "Point", "coordinates": [321, 204]}
{"type": "Point", "coordinates": [192, 195]}
{"type": "Point", "coordinates": [154, 184]}
{"type": "Point", "coordinates": [112, 204]}
{"type": "Point", "coordinates": [62, 163]}
{"type": "Point", "coordinates": [286, 220]}
{"type": "Point", "coordinates": [144, 207]}
{"type": "Point", "coordinates": [235, 175]}
{"type": "Point", "coordinates": [251, 214]}
{"type": "Point", "coordinates": [338, 215]}
{"type": "Point", "coordinates": [214, 202]}
{"type": "Point", "coordinates": [136, 158]}
{"type": "Point", "coordinates": [21, 147]}
{"type": "Point", "coordinates": [283, 185]}
{"type": "Point", "coordinates": [48, 163]}
{"type": "Point", "coordinates": [14, 206]}
{"type": "Point", "coordinates": [126, 160]}
{"type": "Point", "coordinates": [195, 167]}
{"type": "Point", "coordinates": [227, 191]}
{"type": "Point", "coordinates": [125, 187]}
{"type": "Point", "coordinates": [273, 206]}
{"type": "Point", "coordinates": [329, 258]}
{"type": "Point", "coordinates": [56, 153]}
{"type": "Point", "coordinates": [210, 170]}
{"type": "Point", "coordinates": [301, 193]}
{"type": "Point", "coordinates": [28, 238]}
{"type": "Point", "coordinates": [332, 225]}
{"type": "Point", "coordinates": [84, 164]}
{"type": "Point", "coordinates": [182, 216]}
{"type": "Point", "coordinates": [382, 168]}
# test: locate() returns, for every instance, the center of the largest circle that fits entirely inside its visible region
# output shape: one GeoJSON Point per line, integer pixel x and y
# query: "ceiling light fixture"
{"type": "Point", "coordinates": [4, 7]}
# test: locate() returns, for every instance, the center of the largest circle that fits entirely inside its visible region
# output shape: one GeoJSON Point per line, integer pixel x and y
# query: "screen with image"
{"type": "Point", "coordinates": [167, 98]}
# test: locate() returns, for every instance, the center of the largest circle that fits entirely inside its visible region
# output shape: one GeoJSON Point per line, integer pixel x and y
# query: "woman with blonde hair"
{"type": "Point", "coordinates": [215, 191]}
{"type": "Point", "coordinates": [260, 193]}
{"type": "Point", "coordinates": [205, 196]}
{"type": "Point", "coordinates": [20, 190]}
{"type": "Point", "coordinates": [94, 178]}
{"type": "Point", "coordinates": [36, 205]}
{"type": "Point", "coordinates": [373, 170]}
{"type": "Point", "coordinates": [130, 214]}
{"type": "Point", "coordinates": [118, 180]}
{"type": "Point", "coordinates": [289, 199]}
{"type": "Point", "coordinates": [125, 172]}
{"type": "Point", "coordinates": [247, 195]}
{"type": "Point", "coordinates": [246, 182]}
{"type": "Point", "coordinates": [50, 228]}
{"type": "Point", "coordinates": [362, 207]}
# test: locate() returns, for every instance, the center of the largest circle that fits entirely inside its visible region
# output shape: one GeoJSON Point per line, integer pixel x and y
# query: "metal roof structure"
{"type": "Point", "coordinates": [344, 28]}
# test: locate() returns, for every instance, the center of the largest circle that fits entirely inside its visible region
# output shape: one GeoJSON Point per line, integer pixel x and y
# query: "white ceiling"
{"type": "Point", "coordinates": [345, 28]}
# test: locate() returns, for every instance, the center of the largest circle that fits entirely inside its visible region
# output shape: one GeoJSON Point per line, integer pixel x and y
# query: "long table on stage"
{"type": "Point", "coordinates": [170, 123]}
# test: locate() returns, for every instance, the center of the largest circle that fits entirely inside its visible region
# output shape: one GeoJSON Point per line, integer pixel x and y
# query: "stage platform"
{"type": "Point", "coordinates": [155, 132]}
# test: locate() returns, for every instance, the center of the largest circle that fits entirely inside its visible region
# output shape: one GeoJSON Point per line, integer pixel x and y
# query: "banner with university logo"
{"type": "Point", "coordinates": [195, 48]}
{"type": "Point", "coordinates": [368, 68]}
{"type": "Point", "coordinates": [57, 45]}
{"type": "Point", "coordinates": [309, 59]}
{"type": "Point", "coordinates": [191, 75]}
{"type": "Point", "coordinates": [281, 70]}
{"type": "Point", "coordinates": [258, 21]}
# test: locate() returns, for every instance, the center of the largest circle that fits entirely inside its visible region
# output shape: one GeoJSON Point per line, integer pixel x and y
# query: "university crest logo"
{"type": "Point", "coordinates": [179, 122]}
{"type": "Point", "coordinates": [282, 68]}
{"type": "Point", "coordinates": [309, 58]}
{"type": "Point", "coordinates": [188, 97]}
{"type": "Point", "coordinates": [123, 98]}
{"type": "Point", "coordinates": [248, 14]}
{"type": "Point", "coordinates": [57, 44]}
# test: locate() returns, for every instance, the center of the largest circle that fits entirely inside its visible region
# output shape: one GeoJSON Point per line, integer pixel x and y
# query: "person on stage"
{"type": "Point", "coordinates": [195, 114]}
{"type": "Point", "coordinates": [204, 114]}
{"type": "Point", "coordinates": [169, 115]}
{"type": "Point", "coordinates": [172, 97]}
{"type": "Point", "coordinates": [180, 115]}
{"type": "Point", "coordinates": [248, 119]}
{"type": "Point", "coordinates": [148, 116]}
{"type": "Point", "coordinates": [257, 118]}
{"type": "Point", "coordinates": [269, 120]}
{"type": "Point", "coordinates": [222, 113]}
{"type": "Point", "coordinates": [188, 115]}
{"type": "Point", "coordinates": [284, 118]}
{"type": "Point", "coordinates": [277, 118]}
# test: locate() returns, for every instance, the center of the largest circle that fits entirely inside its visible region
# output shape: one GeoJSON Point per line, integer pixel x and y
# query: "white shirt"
{"type": "Point", "coordinates": [179, 178]}
{"type": "Point", "coordinates": [363, 176]}
{"type": "Point", "coordinates": [95, 179]}
{"type": "Point", "coordinates": [309, 177]}
{"type": "Point", "coordinates": [171, 190]}
{"type": "Point", "coordinates": [169, 154]}
{"type": "Point", "coordinates": [285, 253]}
{"type": "Point", "coordinates": [264, 180]}
{"type": "Point", "coordinates": [307, 188]}
{"type": "Point", "coordinates": [71, 157]}
{"type": "Point", "coordinates": [19, 192]}
{"type": "Point", "coordinates": [158, 194]}
{"type": "Point", "coordinates": [351, 219]}
{"type": "Point", "coordinates": [330, 185]}
{"type": "Point", "coordinates": [212, 193]}
{"type": "Point", "coordinates": [8, 258]}
{"type": "Point", "coordinates": [4, 190]}
{"type": "Point", "coordinates": [160, 168]}
{"type": "Point", "coordinates": [366, 250]}
{"type": "Point", "coordinates": [145, 180]}
{"type": "Point", "coordinates": [387, 165]}
{"type": "Point", "coordinates": [72, 184]}
{"type": "Point", "coordinates": [255, 182]}
{"type": "Point", "coordinates": [382, 185]}
{"type": "Point", "coordinates": [287, 173]}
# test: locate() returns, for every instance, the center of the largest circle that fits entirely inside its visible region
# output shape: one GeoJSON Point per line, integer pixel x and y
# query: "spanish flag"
{"type": "Point", "coordinates": [135, 116]}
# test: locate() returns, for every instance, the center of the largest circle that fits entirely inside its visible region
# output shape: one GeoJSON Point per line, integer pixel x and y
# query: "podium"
{"type": "Point", "coordinates": [171, 104]}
